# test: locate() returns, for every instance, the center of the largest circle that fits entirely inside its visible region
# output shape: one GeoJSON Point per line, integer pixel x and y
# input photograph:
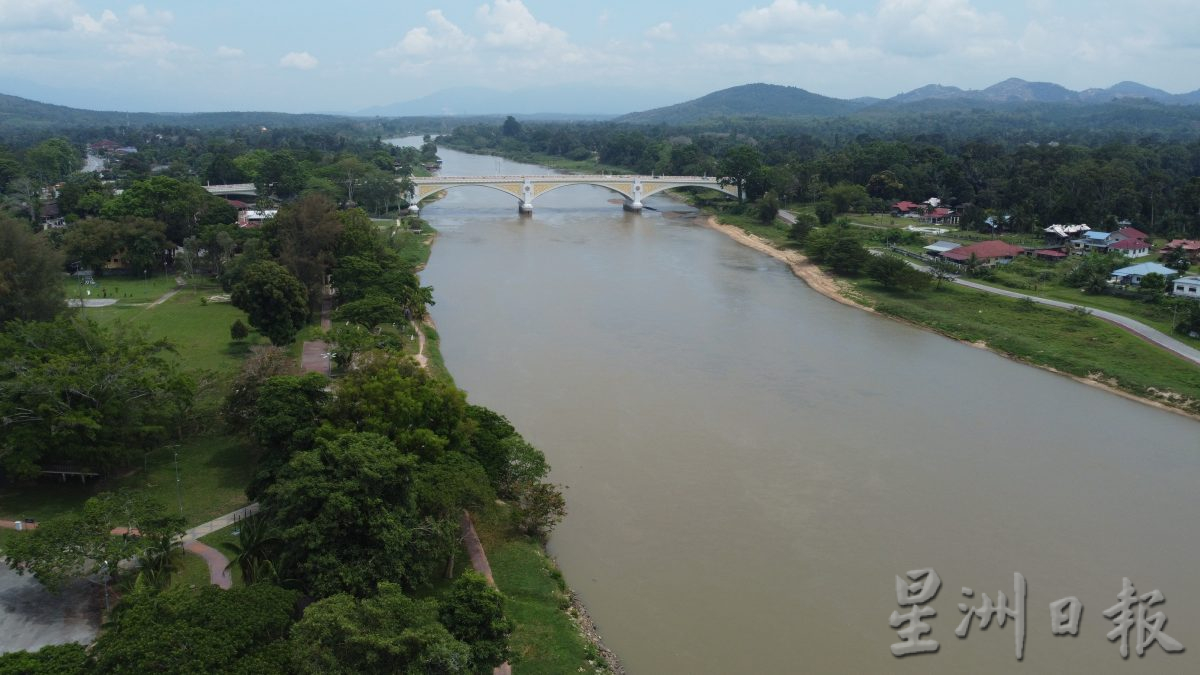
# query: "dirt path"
{"type": "Point", "coordinates": [479, 563]}
{"type": "Point", "coordinates": [800, 265]}
{"type": "Point", "coordinates": [420, 356]}
{"type": "Point", "coordinates": [163, 298]}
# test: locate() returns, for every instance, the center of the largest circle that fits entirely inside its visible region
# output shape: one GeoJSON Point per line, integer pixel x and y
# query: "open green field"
{"type": "Point", "coordinates": [125, 290]}
{"type": "Point", "coordinates": [1066, 341]}
{"type": "Point", "coordinates": [213, 474]}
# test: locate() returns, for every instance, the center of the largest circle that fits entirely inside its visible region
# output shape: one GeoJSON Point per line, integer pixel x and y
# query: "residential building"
{"type": "Point", "coordinates": [1189, 246]}
{"type": "Point", "coordinates": [1132, 275]}
{"type": "Point", "coordinates": [1186, 287]}
{"type": "Point", "coordinates": [1130, 248]}
{"type": "Point", "coordinates": [987, 252]}
{"type": "Point", "coordinates": [1059, 235]}
{"type": "Point", "coordinates": [1050, 254]}
{"type": "Point", "coordinates": [939, 248]}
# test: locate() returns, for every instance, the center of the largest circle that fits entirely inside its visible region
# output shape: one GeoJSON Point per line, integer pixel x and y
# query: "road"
{"type": "Point", "coordinates": [1134, 326]}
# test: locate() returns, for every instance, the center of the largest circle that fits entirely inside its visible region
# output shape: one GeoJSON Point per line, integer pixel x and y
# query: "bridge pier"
{"type": "Point", "coordinates": [524, 208]}
{"type": "Point", "coordinates": [414, 209]}
{"type": "Point", "coordinates": [632, 205]}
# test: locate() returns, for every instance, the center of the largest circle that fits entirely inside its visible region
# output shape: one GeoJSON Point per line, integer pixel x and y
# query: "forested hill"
{"type": "Point", "coordinates": [23, 114]}
{"type": "Point", "coordinates": [747, 100]}
{"type": "Point", "coordinates": [1003, 108]}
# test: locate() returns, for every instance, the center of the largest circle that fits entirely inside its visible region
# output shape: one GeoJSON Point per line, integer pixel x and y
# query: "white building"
{"type": "Point", "coordinates": [1186, 287]}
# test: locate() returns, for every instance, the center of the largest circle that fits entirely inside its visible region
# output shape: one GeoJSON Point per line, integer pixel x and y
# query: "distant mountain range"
{"type": "Point", "coordinates": [598, 103]}
{"type": "Point", "coordinates": [771, 100]}
{"type": "Point", "coordinates": [557, 102]}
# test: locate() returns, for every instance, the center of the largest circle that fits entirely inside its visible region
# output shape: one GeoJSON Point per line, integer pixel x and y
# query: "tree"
{"type": "Point", "coordinates": [199, 630]}
{"type": "Point", "coordinates": [67, 659]}
{"type": "Point", "coordinates": [473, 612]}
{"type": "Point", "coordinates": [30, 274]}
{"type": "Point", "coordinates": [238, 330]}
{"type": "Point", "coordinates": [160, 560]}
{"type": "Point", "coordinates": [256, 551]}
{"type": "Point", "coordinates": [825, 212]}
{"type": "Point", "coordinates": [540, 506]}
{"type": "Point", "coordinates": [511, 127]}
{"type": "Point", "coordinates": [371, 311]}
{"type": "Point", "coordinates": [342, 511]}
{"type": "Point", "coordinates": [395, 398]}
{"type": "Point", "coordinates": [387, 633]}
{"type": "Point", "coordinates": [443, 489]}
{"type": "Point", "coordinates": [52, 160]}
{"type": "Point", "coordinates": [804, 224]}
{"type": "Point", "coordinates": [1177, 259]}
{"type": "Point", "coordinates": [72, 391]}
{"type": "Point", "coordinates": [65, 548]}
{"type": "Point", "coordinates": [768, 207]}
{"type": "Point", "coordinates": [241, 403]}
{"type": "Point", "coordinates": [287, 413]}
{"type": "Point", "coordinates": [847, 197]}
{"type": "Point", "coordinates": [847, 256]}
{"type": "Point", "coordinates": [274, 301]}
{"type": "Point", "coordinates": [1153, 285]}
{"type": "Point", "coordinates": [183, 207]}
{"type": "Point", "coordinates": [304, 237]}
{"type": "Point", "coordinates": [738, 165]}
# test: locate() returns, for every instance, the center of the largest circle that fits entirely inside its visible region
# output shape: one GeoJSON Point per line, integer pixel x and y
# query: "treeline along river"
{"type": "Point", "coordinates": [751, 465]}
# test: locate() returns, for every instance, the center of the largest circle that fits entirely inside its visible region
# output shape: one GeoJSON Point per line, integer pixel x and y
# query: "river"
{"type": "Point", "coordinates": [750, 465]}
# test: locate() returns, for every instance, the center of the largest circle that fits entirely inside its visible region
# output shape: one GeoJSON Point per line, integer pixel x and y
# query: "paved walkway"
{"type": "Point", "coordinates": [217, 563]}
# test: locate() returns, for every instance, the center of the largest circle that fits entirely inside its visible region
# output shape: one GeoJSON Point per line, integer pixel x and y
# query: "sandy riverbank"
{"type": "Point", "coordinates": [800, 265]}
{"type": "Point", "coordinates": [821, 282]}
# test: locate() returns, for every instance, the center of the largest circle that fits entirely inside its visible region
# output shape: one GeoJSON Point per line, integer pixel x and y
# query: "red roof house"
{"type": "Point", "coordinates": [1131, 248]}
{"type": "Point", "coordinates": [1130, 233]}
{"type": "Point", "coordinates": [985, 252]}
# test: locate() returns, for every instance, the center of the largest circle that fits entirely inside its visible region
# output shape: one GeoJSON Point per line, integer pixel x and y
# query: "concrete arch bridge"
{"type": "Point", "coordinates": [525, 189]}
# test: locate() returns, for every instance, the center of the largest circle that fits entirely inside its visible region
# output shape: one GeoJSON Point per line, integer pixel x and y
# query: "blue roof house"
{"type": "Point", "coordinates": [1134, 273]}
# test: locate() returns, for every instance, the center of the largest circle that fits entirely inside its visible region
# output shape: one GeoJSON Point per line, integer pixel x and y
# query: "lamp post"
{"type": "Point", "coordinates": [178, 481]}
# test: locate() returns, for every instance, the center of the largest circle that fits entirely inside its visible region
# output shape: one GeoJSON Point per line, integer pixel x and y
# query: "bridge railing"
{"type": "Point", "coordinates": [568, 178]}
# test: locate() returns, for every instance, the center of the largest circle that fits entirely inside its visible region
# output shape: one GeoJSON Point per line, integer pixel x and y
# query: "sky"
{"type": "Point", "coordinates": [310, 56]}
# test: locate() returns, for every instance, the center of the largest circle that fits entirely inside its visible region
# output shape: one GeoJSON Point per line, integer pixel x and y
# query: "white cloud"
{"type": "Point", "coordinates": [440, 37]}
{"type": "Point", "coordinates": [85, 23]}
{"type": "Point", "coordinates": [298, 60]}
{"type": "Point", "coordinates": [230, 52]}
{"type": "Point", "coordinates": [511, 26]}
{"type": "Point", "coordinates": [148, 21]}
{"type": "Point", "coordinates": [36, 14]}
{"type": "Point", "coordinates": [663, 31]}
{"type": "Point", "coordinates": [785, 15]}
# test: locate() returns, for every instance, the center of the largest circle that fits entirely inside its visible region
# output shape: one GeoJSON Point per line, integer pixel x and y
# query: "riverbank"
{"type": "Point", "coordinates": [1023, 345]}
{"type": "Point", "coordinates": [554, 631]}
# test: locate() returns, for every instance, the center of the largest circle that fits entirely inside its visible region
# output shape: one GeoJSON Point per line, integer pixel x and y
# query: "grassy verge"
{"type": "Point", "coordinates": [1065, 341]}
{"type": "Point", "coordinates": [546, 639]}
{"type": "Point", "coordinates": [194, 572]}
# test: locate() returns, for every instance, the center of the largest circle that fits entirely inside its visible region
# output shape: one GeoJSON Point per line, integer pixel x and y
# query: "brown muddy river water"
{"type": "Point", "coordinates": [750, 465]}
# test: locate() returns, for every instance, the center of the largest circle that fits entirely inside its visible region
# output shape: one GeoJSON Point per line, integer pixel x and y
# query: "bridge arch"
{"type": "Point", "coordinates": [606, 186]}
{"type": "Point", "coordinates": [436, 188]}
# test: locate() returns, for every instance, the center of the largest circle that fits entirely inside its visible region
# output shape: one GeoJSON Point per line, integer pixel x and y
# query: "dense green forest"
{"type": "Point", "coordinates": [1087, 175]}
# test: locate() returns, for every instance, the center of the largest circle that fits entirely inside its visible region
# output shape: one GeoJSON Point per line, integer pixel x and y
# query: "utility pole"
{"type": "Point", "coordinates": [178, 482]}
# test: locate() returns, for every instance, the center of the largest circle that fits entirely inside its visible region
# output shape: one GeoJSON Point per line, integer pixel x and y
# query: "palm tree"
{"type": "Point", "coordinates": [160, 560]}
{"type": "Point", "coordinates": [255, 550]}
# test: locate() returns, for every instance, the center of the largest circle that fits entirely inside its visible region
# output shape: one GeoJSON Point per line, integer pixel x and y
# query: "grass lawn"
{"type": "Point", "coordinates": [1080, 345]}
{"type": "Point", "coordinates": [1155, 316]}
{"type": "Point", "coordinates": [193, 573]}
{"type": "Point", "coordinates": [126, 290]}
{"type": "Point", "coordinates": [214, 472]}
{"type": "Point", "coordinates": [546, 639]}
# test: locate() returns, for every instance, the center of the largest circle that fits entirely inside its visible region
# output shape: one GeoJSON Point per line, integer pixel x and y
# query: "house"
{"type": "Point", "coordinates": [1186, 287]}
{"type": "Point", "coordinates": [907, 208]}
{"type": "Point", "coordinates": [1092, 241]}
{"type": "Point", "coordinates": [1129, 233]}
{"type": "Point", "coordinates": [987, 252]}
{"type": "Point", "coordinates": [1131, 248]}
{"type": "Point", "coordinates": [939, 248]}
{"type": "Point", "coordinates": [1050, 254]}
{"type": "Point", "coordinates": [253, 218]}
{"type": "Point", "coordinates": [1133, 274]}
{"type": "Point", "coordinates": [1059, 235]}
{"type": "Point", "coordinates": [940, 216]}
{"type": "Point", "coordinates": [1190, 246]}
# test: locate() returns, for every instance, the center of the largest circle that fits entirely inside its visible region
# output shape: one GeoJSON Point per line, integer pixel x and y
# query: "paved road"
{"type": "Point", "coordinates": [1134, 326]}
